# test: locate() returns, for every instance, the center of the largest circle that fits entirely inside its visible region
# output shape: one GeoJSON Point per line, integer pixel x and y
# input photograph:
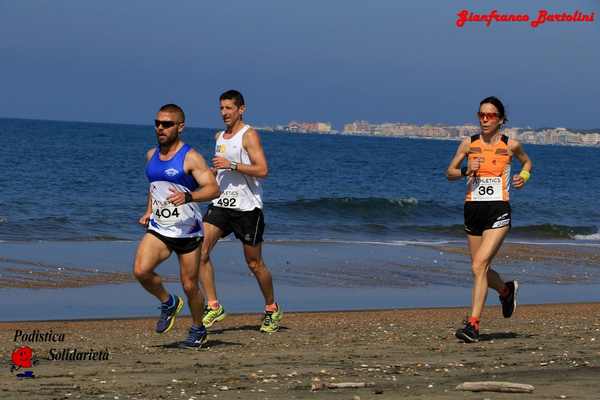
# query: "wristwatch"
{"type": "Point", "coordinates": [188, 197]}
{"type": "Point", "coordinates": [233, 166]}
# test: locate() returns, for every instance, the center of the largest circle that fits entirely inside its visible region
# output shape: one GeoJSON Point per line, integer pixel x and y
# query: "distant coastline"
{"type": "Point", "coordinates": [544, 136]}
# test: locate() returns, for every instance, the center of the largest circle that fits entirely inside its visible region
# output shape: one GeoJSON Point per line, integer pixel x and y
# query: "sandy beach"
{"type": "Point", "coordinates": [396, 353]}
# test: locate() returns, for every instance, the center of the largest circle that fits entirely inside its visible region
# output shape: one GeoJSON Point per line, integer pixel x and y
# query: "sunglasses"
{"type": "Point", "coordinates": [490, 116]}
{"type": "Point", "coordinates": [165, 124]}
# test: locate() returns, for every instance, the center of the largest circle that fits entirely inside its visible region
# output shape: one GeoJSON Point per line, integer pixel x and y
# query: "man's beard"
{"type": "Point", "coordinates": [168, 142]}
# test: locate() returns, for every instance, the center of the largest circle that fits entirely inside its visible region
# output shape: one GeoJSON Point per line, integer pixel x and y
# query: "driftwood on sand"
{"type": "Point", "coordinates": [342, 385]}
{"type": "Point", "coordinates": [491, 386]}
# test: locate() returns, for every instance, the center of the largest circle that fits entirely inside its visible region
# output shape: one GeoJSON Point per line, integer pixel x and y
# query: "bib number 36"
{"type": "Point", "coordinates": [487, 189]}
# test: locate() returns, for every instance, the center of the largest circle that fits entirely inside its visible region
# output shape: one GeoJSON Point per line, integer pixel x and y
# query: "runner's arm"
{"type": "Point", "coordinates": [208, 188]}
{"type": "Point", "coordinates": [258, 162]}
{"type": "Point", "coordinates": [453, 172]}
{"type": "Point", "coordinates": [146, 217]}
{"type": "Point", "coordinates": [523, 158]}
{"type": "Point", "coordinates": [213, 169]}
{"type": "Point", "coordinates": [526, 164]}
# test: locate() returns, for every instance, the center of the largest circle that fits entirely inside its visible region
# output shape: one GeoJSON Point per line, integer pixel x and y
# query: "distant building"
{"type": "Point", "coordinates": [560, 136]}
{"type": "Point", "coordinates": [307, 127]}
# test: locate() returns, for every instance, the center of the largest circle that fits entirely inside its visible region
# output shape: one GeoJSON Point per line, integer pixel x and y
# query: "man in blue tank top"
{"type": "Point", "coordinates": [179, 179]}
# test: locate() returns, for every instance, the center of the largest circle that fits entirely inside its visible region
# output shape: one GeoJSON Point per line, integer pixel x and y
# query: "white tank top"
{"type": "Point", "coordinates": [238, 191]}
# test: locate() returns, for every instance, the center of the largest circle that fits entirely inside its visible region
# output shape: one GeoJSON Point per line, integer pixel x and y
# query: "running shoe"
{"type": "Point", "coordinates": [468, 334]}
{"type": "Point", "coordinates": [196, 337]}
{"type": "Point", "coordinates": [271, 321]}
{"type": "Point", "coordinates": [509, 302]}
{"type": "Point", "coordinates": [167, 315]}
{"type": "Point", "coordinates": [211, 316]}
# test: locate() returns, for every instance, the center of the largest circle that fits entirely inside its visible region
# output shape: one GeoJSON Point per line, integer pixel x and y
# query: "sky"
{"type": "Point", "coordinates": [311, 60]}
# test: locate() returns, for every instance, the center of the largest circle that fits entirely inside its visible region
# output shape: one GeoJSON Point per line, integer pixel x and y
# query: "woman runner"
{"type": "Point", "coordinates": [487, 209]}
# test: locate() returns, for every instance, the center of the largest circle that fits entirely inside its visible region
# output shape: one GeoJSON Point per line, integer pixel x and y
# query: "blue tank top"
{"type": "Point", "coordinates": [182, 221]}
{"type": "Point", "coordinates": [170, 170]}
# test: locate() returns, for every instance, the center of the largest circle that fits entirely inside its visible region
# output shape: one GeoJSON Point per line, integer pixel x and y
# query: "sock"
{"type": "Point", "coordinates": [504, 292]}
{"type": "Point", "coordinates": [171, 302]}
{"type": "Point", "coordinates": [214, 305]}
{"type": "Point", "coordinates": [474, 321]}
{"type": "Point", "coordinates": [271, 307]}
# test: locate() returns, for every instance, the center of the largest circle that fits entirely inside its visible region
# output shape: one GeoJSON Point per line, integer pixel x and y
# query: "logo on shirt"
{"type": "Point", "coordinates": [171, 172]}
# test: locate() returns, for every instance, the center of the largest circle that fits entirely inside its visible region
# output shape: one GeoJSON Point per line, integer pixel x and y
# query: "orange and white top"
{"type": "Point", "coordinates": [492, 181]}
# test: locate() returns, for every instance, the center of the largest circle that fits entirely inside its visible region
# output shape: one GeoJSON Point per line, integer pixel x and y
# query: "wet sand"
{"type": "Point", "coordinates": [399, 353]}
{"type": "Point", "coordinates": [563, 254]}
{"type": "Point", "coordinates": [59, 265]}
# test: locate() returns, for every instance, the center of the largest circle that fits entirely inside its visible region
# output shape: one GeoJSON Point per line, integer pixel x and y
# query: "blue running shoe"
{"type": "Point", "coordinates": [168, 314]}
{"type": "Point", "coordinates": [196, 338]}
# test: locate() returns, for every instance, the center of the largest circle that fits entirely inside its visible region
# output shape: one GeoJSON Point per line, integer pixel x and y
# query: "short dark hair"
{"type": "Point", "coordinates": [234, 95]}
{"type": "Point", "coordinates": [493, 100]}
{"type": "Point", "coordinates": [173, 108]}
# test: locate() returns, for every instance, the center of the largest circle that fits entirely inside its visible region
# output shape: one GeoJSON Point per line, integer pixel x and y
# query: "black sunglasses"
{"type": "Point", "coordinates": [165, 124]}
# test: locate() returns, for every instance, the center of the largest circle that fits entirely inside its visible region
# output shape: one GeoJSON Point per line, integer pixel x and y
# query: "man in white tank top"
{"type": "Point", "coordinates": [239, 165]}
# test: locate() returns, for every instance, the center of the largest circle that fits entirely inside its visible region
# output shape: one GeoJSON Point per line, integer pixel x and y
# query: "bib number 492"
{"type": "Point", "coordinates": [227, 202]}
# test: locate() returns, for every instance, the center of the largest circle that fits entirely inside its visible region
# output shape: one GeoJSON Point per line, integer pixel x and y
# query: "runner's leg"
{"type": "Point", "coordinates": [207, 274]}
{"type": "Point", "coordinates": [253, 255]}
{"type": "Point", "coordinates": [491, 240]}
{"type": "Point", "coordinates": [150, 253]}
{"type": "Point", "coordinates": [189, 266]}
{"type": "Point", "coordinates": [494, 280]}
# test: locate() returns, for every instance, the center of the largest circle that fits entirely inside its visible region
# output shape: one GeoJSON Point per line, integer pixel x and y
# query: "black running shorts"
{"type": "Point", "coordinates": [484, 215]}
{"type": "Point", "coordinates": [247, 226]}
{"type": "Point", "coordinates": [178, 245]}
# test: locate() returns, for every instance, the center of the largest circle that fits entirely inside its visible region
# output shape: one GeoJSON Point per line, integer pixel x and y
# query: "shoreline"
{"type": "Point", "coordinates": [397, 353]}
{"type": "Point", "coordinates": [55, 265]}
{"type": "Point", "coordinates": [295, 312]}
{"type": "Point", "coordinates": [324, 277]}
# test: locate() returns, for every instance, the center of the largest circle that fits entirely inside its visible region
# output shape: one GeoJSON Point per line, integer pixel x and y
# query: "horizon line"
{"type": "Point", "coordinates": [269, 126]}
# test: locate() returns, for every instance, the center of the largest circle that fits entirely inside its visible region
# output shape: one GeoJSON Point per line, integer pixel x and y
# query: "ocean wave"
{"type": "Point", "coordinates": [536, 231]}
{"type": "Point", "coordinates": [363, 242]}
{"type": "Point", "coordinates": [69, 238]}
{"type": "Point", "coordinates": [376, 208]}
{"type": "Point", "coordinates": [327, 228]}
{"type": "Point", "coordinates": [96, 238]}
{"type": "Point", "coordinates": [593, 236]}
{"type": "Point", "coordinates": [554, 231]}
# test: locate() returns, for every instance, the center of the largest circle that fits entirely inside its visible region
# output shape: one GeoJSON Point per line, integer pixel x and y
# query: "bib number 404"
{"type": "Point", "coordinates": [163, 213]}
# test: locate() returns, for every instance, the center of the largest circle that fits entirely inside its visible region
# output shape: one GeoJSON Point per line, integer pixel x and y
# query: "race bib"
{"type": "Point", "coordinates": [486, 189]}
{"type": "Point", "coordinates": [165, 213]}
{"type": "Point", "coordinates": [229, 199]}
